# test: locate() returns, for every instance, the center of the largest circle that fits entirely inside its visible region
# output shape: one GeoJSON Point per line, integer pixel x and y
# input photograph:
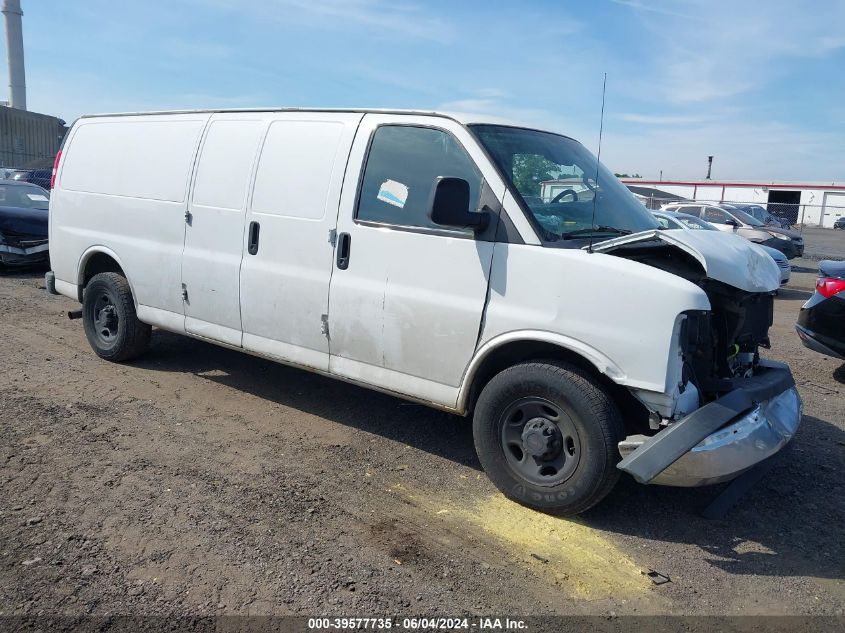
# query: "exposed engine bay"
{"type": "Point", "coordinates": [719, 346]}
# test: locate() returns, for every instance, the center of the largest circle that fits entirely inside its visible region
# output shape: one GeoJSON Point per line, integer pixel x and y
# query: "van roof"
{"type": "Point", "coordinates": [465, 118]}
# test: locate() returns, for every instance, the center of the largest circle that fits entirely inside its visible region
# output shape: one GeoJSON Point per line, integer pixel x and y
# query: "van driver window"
{"type": "Point", "coordinates": [401, 170]}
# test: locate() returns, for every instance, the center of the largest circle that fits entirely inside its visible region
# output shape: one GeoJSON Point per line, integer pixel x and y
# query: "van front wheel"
{"type": "Point", "coordinates": [111, 324]}
{"type": "Point", "coordinates": [546, 434]}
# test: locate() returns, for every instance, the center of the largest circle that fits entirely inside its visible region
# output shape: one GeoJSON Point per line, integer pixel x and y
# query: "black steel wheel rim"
{"type": "Point", "coordinates": [540, 441]}
{"type": "Point", "coordinates": [106, 320]}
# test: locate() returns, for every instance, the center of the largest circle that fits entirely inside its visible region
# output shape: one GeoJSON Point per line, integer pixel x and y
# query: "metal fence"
{"type": "Point", "coordinates": [799, 215]}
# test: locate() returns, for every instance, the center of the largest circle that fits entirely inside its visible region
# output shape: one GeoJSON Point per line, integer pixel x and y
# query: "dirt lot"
{"type": "Point", "coordinates": [198, 480]}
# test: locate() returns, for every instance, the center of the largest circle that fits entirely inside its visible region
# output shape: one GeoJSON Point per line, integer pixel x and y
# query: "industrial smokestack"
{"type": "Point", "coordinates": [14, 53]}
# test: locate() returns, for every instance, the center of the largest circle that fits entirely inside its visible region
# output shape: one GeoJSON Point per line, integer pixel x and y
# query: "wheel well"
{"type": "Point", "coordinates": [96, 264]}
{"type": "Point", "coordinates": [634, 414]}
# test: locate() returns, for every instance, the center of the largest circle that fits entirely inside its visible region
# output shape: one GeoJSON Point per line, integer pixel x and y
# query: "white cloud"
{"type": "Point", "coordinates": [660, 119]}
{"type": "Point", "coordinates": [706, 50]}
{"type": "Point", "coordinates": [195, 49]}
{"type": "Point", "coordinates": [746, 48]}
{"type": "Point", "coordinates": [709, 86]}
{"type": "Point", "coordinates": [654, 7]}
{"type": "Point", "coordinates": [501, 109]}
{"type": "Point", "coordinates": [385, 19]}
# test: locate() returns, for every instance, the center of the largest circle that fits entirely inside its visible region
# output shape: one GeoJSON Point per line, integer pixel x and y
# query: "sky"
{"type": "Point", "coordinates": [758, 84]}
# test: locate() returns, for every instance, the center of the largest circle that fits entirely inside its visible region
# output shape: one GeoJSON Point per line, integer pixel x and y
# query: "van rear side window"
{"type": "Point", "coordinates": [401, 169]}
{"type": "Point", "coordinates": [133, 158]}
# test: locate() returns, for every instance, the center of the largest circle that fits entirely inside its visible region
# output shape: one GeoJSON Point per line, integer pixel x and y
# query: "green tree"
{"type": "Point", "coordinates": [529, 170]}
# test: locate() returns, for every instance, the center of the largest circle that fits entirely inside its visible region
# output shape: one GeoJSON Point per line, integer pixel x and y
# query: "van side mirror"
{"type": "Point", "coordinates": [731, 222]}
{"type": "Point", "coordinates": [450, 205]}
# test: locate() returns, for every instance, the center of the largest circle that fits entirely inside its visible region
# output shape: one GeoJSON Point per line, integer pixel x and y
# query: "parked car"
{"type": "Point", "coordinates": [40, 177]}
{"type": "Point", "coordinates": [669, 220]}
{"type": "Point", "coordinates": [732, 220]}
{"type": "Point", "coordinates": [821, 322]}
{"type": "Point", "coordinates": [761, 213]}
{"type": "Point", "coordinates": [411, 252]}
{"type": "Point", "coordinates": [23, 223]}
{"type": "Point", "coordinates": [840, 223]}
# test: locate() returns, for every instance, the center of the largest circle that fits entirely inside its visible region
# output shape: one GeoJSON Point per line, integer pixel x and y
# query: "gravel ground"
{"type": "Point", "coordinates": [198, 480]}
{"type": "Point", "coordinates": [823, 243]}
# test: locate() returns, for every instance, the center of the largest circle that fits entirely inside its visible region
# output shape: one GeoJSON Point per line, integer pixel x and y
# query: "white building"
{"type": "Point", "coordinates": [808, 203]}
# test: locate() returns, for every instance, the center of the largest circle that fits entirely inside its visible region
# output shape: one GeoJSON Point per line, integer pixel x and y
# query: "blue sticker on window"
{"type": "Point", "coordinates": [394, 193]}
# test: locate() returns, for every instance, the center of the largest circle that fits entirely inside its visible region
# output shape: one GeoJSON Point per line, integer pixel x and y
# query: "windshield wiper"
{"type": "Point", "coordinates": [594, 229]}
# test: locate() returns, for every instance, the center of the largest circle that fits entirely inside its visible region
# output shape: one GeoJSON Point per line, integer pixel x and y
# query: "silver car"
{"type": "Point", "coordinates": [730, 219]}
{"type": "Point", "coordinates": [683, 221]}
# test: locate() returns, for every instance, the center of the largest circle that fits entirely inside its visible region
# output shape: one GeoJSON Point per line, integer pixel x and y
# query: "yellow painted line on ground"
{"type": "Point", "coordinates": [578, 558]}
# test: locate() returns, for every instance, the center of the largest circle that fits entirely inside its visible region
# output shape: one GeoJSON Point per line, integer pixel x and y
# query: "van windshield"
{"type": "Point", "coordinates": [555, 178]}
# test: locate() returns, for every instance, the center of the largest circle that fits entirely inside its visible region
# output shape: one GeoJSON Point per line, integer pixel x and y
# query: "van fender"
{"type": "Point", "coordinates": [601, 362]}
{"type": "Point", "coordinates": [87, 254]}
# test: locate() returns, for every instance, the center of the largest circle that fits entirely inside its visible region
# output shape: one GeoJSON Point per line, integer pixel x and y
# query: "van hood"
{"type": "Point", "coordinates": [727, 258]}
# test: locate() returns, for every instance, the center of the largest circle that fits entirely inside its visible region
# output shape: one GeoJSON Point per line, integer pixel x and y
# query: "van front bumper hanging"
{"type": "Point", "coordinates": [722, 439]}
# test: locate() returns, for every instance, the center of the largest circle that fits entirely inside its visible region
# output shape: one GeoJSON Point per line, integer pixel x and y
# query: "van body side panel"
{"type": "Point", "coordinates": [294, 205]}
{"type": "Point", "coordinates": [577, 298]}
{"type": "Point", "coordinates": [214, 233]}
{"type": "Point", "coordinates": [406, 313]}
{"type": "Point", "coordinates": [122, 188]}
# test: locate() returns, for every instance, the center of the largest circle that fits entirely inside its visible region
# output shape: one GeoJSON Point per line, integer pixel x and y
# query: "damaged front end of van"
{"type": "Point", "coordinates": [727, 409]}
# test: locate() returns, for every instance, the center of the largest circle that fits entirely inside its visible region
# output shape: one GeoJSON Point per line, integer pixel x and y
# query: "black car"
{"type": "Point", "coordinates": [40, 177]}
{"type": "Point", "coordinates": [23, 223]}
{"type": "Point", "coordinates": [821, 323]}
{"type": "Point", "coordinates": [794, 247]}
{"type": "Point", "coordinates": [840, 222]}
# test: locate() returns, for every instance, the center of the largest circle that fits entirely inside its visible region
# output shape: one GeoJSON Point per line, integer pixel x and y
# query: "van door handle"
{"type": "Point", "coordinates": [254, 230]}
{"type": "Point", "coordinates": [344, 244]}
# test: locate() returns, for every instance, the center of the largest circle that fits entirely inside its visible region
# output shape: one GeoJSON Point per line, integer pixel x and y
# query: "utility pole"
{"type": "Point", "coordinates": [709, 166]}
{"type": "Point", "coordinates": [14, 53]}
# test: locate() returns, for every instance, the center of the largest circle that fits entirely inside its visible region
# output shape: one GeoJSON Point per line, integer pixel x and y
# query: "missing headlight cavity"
{"type": "Point", "coordinates": [721, 344]}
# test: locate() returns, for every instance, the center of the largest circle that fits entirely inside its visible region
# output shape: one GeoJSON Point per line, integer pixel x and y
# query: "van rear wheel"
{"type": "Point", "coordinates": [111, 324]}
{"type": "Point", "coordinates": [546, 433]}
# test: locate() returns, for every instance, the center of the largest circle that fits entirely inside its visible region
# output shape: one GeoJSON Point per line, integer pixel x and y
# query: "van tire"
{"type": "Point", "coordinates": [111, 323]}
{"type": "Point", "coordinates": [517, 412]}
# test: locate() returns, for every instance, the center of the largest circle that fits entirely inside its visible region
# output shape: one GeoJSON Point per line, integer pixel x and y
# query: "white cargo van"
{"type": "Point", "coordinates": [481, 268]}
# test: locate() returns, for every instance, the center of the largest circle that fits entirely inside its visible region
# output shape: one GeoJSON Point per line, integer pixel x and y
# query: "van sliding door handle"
{"type": "Point", "coordinates": [344, 244]}
{"type": "Point", "coordinates": [254, 230]}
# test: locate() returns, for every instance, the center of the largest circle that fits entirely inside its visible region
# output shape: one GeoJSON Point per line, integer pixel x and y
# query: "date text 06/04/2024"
{"type": "Point", "coordinates": [417, 624]}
